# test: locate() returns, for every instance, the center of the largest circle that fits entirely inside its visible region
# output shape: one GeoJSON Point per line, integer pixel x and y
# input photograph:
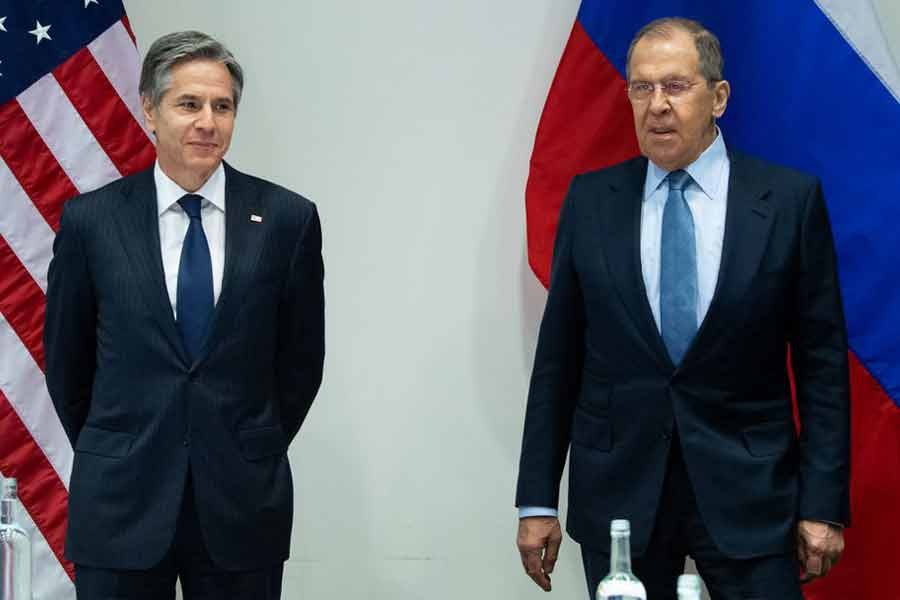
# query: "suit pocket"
{"type": "Point", "coordinates": [103, 442]}
{"type": "Point", "coordinates": [261, 442]}
{"type": "Point", "coordinates": [769, 439]}
{"type": "Point", "coordinates": [591, 431]}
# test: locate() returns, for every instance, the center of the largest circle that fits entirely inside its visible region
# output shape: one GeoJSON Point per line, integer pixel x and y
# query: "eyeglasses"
{"type": "Point", "coordinates": [673, 89]}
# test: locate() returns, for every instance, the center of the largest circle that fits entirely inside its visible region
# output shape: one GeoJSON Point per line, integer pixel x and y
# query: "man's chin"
{"type": "Point", "coordinates": [666, 159]}
{"type": "Point", "coordinates": [205, 164]}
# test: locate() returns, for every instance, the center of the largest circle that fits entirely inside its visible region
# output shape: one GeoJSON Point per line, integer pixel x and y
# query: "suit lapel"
{"type": "Point", "coordinates": [138, 226]}
{"type": "Point", "coordinates": [243, 242]}
{"type": "Point", "coordinates": [748, 223]}
{"type": "Point", "coordinates": [621, 238]}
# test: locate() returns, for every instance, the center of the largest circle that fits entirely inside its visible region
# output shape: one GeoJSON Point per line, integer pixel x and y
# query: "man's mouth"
{"type": "Point", "coordinates": [203, 145]}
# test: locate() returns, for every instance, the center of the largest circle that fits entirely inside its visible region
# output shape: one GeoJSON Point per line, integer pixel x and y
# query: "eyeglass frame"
{"type": "Point", "coordinates": [661, 86]}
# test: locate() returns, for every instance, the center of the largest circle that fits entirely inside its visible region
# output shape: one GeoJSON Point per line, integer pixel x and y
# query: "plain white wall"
{"type": "Point", "coordinates": [410, 124]}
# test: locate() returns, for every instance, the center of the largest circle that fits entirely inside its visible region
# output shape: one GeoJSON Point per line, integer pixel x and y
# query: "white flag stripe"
{"type": "Point", "coordinates": [66, 134]}
{"type": "Point", "coordinates": [24, 228]}
{"type": "Point", "coordinates": [116, 54]}
{"type": "Point", "coordinates": [49, 581]}
{"type": "Point", "coordinates": [858, 22]}
{"type": "Point", "coordinates": [23, 384]}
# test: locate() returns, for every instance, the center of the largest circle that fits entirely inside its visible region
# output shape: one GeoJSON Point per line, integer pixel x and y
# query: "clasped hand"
{"type": "Point", "coordinates": [819, 546]}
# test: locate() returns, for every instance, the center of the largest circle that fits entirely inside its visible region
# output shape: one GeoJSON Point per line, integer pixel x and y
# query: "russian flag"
{"type": "Point", "coordinates": [814, 86]}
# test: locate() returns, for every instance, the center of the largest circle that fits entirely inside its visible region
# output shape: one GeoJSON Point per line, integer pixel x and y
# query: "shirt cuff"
{"type": "Point", "coordinates": [537, 511]}
{"type": "Point", "coordinates": [834, 524]}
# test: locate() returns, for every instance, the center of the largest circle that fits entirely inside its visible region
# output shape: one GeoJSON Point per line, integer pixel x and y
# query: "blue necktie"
{"type": "Point", "coordinates": [194, 299]}
{"type": "Point", "coordinates": [678, 270]}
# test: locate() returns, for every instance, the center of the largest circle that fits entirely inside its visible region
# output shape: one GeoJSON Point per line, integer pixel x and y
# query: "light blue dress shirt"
{"type": "Point", "coordinates": [707, 197]}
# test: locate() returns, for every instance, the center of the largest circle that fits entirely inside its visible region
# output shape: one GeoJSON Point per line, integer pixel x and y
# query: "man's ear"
{"type": "Point", "coordinates": [722, 92]}
{"type": "Point", "coordinates": [149, 113]}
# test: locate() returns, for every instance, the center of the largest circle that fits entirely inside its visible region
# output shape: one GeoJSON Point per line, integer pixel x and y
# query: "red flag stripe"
{"type": "Point", "coordinates": [116, 54]}
{"type": "Point", "coordinates": [33, 165]}
{"type": "Point", "coordinates": [25, 229]}
{"type": "Point", "coordinates": [128, 28]}
{"type": "Point", "coordinates": [22, 302]}
{"type": "Point", "coordinates": [66, 134]}
{"type": "Point", "coordinates": [586, 124]}
{"type": "Point", "coordinates": [104, 112]}
{"type": "Point", "coordinates": [874, 493]}
{"type": "Point", "coordinates": [40, 490]}
{"type": "Point", "coordinates": [25, 387]}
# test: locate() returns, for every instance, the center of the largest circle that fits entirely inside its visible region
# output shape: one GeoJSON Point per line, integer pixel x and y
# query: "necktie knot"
{"type": "Point", "coordinates": [191, 205]}
{"type": "Point", "coordinates": [679, 179]}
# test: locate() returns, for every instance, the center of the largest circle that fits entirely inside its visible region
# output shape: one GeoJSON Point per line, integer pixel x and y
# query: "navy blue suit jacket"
{"type": "Point", "coordinates": [604, 389]}
{"type": "Point", "coordinates": [139, 414]}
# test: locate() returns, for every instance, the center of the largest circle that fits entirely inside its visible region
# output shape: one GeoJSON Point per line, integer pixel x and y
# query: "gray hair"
{"type": "Point", "coordinates": [712, 63]}
{"type": "Point", "coordinates": [179, 47]}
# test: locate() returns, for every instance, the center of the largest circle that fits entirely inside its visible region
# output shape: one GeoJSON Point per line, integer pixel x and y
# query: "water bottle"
{"type": "Point", "coordinates": [620, 584]}
{"type": "Point", "coordinates": [688, 587]}
{"type": "Point", "coordinates": [15, 548]}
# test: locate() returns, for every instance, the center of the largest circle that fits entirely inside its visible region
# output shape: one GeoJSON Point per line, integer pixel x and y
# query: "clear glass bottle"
{"type": "Point", "coordinates": [15, 548]}
{"type": "Point", "coordinates": [688, 587]}
{"type": "Point", "coordinates": [620, 584]}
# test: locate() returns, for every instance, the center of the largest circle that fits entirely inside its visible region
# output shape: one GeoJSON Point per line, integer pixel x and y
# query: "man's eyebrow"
{"type": "Point", "coordinates": [189, 96]}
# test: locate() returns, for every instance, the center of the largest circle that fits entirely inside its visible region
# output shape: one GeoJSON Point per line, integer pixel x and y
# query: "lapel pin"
{"type": "Point", "coordinates": [256, 218]}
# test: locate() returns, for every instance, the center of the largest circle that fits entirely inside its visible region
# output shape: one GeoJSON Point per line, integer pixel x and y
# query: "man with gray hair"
{"type": "Point", "coordinates": [184, 346]}
{"type": "Point", "coordinates": [679, 280]}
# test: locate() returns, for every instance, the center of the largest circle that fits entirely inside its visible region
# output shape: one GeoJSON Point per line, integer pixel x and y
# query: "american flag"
{"type": "Point", "coordinates": [70, 121]}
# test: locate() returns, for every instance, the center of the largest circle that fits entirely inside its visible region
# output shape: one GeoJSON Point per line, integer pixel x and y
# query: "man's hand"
{"type": "Point", "coordinates": [819, 546]}
{"type": "Point", "coordinates": [538, 541]}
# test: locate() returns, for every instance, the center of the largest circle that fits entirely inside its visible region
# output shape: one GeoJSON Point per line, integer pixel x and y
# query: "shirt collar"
{"type": "Point", "coordinates": [704, 171]}
{"type": "Point", "coordinates": [168, 192]}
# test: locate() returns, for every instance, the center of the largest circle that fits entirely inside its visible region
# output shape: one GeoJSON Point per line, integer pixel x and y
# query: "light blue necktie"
{"type": "Point", "coordinates": [194, 299]}
{"type": "Point", "coordinates": [678, 270]}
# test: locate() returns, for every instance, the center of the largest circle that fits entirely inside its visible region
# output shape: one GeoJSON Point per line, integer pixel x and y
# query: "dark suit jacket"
{"type": "Point", "coordinates": [604, 388]}
{"type": "Point", "coordinates": [139, 414]}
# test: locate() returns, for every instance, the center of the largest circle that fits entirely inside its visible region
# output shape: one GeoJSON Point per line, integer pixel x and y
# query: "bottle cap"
{"type": "Point", "coordinates": [688, 583]}
{"type": "Point", "coordinates": [620, 526]}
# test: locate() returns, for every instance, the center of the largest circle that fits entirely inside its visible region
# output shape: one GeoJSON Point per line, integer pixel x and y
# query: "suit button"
{"type": "Point", "coordinates": [187, 442]}
{"type": "Point", "coordinates": [666, 435]}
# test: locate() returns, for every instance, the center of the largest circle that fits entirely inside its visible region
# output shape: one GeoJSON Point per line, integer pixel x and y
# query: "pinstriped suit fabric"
{"type": "Point", "coordinates": [140, 413]}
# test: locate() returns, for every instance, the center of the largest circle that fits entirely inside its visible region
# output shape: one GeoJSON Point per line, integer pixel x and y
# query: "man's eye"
{"type": "Point", "coordinates": [676, 87]}
{"type": "Point", "coordinates": [188, 105]}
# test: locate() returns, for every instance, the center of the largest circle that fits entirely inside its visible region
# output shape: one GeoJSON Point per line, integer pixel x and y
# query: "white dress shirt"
{"type": "Point", "coordinates": [173, 226]}
{"type": "Point", "coordinates": [707, 197]}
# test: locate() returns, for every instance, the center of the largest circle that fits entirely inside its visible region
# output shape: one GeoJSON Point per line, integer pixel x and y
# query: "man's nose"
{"type": "Point", "coordinates": [659, 102]}
{"type": "Point", "coordinates": [205, 119]}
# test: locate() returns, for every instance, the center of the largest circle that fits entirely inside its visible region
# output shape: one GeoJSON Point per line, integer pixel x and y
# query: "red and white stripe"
{"type": "Point", "coordinates": [73, 130]}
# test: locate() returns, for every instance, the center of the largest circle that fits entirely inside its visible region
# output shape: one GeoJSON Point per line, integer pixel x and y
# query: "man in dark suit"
{"type": "Point", "coordinates": [679, 280]}
{"type": "Point", "coordinates": [184, 344]}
